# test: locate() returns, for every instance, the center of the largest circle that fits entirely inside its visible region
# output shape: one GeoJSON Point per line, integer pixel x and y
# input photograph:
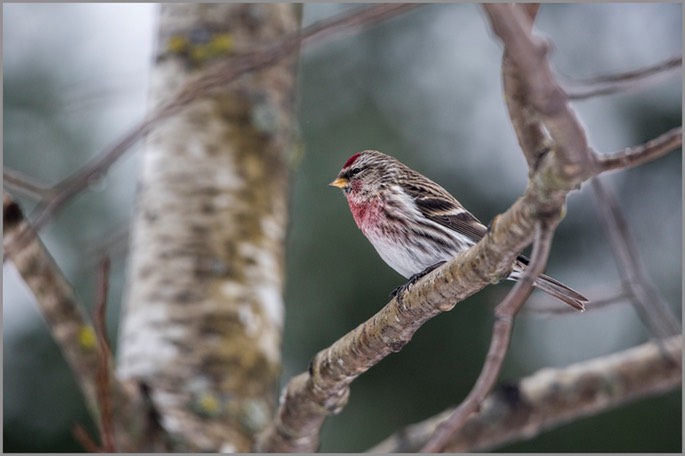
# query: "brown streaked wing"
{"type": "Point", "coordinates": [436, 204]}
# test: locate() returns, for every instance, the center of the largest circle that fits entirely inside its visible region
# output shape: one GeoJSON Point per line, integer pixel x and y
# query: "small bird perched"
{"type": "Point", "coordinates": [414, 224]}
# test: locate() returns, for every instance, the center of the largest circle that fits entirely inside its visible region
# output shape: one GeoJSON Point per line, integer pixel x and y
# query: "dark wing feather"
{"type": "Point", "coordinates": [436, 204]}
{"type": "Point", "coordinates": [461, 222]}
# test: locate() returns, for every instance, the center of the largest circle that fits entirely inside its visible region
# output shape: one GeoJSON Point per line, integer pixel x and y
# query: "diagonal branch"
{"type": "Point", "coordinates": [202, 86]}
{"type": "Point", "coordinates": [607, 85]}
{"type": "Point", "coordinates": [55, 297]}
{"type": "Point", "coordinates": [310, 397]}
{"type": "Point", "coordinates": [643, 153]}
{"type": "Point", "coordinates": [552, 397]}
{"type": "Point", "coordinates": [648, 302]}
{"type": "Point", "coordinates": [501, 335]}
{"type": "Point", "coordinates": [20, 183]}
{"type": "Point", "coordinates": [71, 330]}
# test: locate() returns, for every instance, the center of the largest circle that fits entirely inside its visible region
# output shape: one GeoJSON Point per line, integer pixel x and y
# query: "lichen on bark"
{"type": "Point", "coordinates": [204, 307]}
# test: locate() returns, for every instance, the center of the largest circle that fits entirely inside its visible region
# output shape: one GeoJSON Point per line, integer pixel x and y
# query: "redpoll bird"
{"type": "Point", "coordinates": [414, 224]}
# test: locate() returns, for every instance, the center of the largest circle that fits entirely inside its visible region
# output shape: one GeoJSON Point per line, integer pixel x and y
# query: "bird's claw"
{"type": "Point", "coordinates": [399, 291]}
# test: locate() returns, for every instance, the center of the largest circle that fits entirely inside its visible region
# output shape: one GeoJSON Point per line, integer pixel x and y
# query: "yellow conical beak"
{"type": "Point", "coordinates": [340, 182]}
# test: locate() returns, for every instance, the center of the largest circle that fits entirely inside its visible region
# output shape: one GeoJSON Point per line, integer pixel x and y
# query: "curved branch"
{"type": "Point", "coordinates": [552, 397]}
{"type": "Point", "coordinates": [530, 132]}
{"type": "Point", "coordinates": [544, 97]}
{"type": "Point", "coordinates": [310, 397]}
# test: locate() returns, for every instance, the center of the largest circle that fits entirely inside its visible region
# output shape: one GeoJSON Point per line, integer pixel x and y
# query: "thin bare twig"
{"type": "Point", "coordinates": [86, 441]}
{"type": "Point", "coordinates": [643, 153]}
{"type": "Point", "coordinates": [358, 18]}
{"type": "Point", "coordinates": [505, 313]}
{"type": "Point", "coordinates": [23, 184]}
{"type": "Point", "coordinates": [113, 244]}
{"type": "Point", "coordinates": [648, 302]}
{"type": "Point", "coordinates": [552, 397]}
{"type": "Point", "coordinates": [79, 180]}
{"type": "Point", "coordinates": [104, 370]}
{"type": "Point", "coordinates": [215, 77]}
{"type": "Point", "coordinates": [607, 85]}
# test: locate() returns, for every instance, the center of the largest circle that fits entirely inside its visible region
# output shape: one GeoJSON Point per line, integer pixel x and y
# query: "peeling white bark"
{"type": "Point", "coordinates": [204, 306]}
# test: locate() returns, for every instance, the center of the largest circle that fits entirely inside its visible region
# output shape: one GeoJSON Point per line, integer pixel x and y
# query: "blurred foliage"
{"type": "Point", "coordinates": [424, 87]}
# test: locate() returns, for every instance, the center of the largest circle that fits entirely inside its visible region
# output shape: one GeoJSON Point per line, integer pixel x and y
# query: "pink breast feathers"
{"type": "Point", "coordinates": [365, 214]}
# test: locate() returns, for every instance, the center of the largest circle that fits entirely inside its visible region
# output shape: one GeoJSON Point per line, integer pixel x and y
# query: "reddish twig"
{"type": "Point", "coordinates": [104, 369]}
{"type": "Point", "coordinates": [499, 343]}
{"type": "Point", "coordinates": [86, 441]}
{"type": "Point", "coordinates": [113, 243]}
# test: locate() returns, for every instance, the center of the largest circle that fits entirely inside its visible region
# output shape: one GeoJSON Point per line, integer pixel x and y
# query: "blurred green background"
{"type": "Point", "coordinates": [424, 87]}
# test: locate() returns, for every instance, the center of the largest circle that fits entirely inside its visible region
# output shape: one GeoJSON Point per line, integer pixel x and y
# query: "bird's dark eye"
{"type": "Point", "coordinates": [353, 172]}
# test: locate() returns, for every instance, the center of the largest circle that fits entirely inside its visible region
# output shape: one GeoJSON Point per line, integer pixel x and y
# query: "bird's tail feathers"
{"type": "Point", "coordinates": [561, 292]}
{"type": "Point", "coordinates": [552, 287]}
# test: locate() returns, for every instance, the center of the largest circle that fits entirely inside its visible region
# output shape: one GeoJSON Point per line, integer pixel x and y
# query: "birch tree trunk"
{"type": "Point", "coordinates": [204, 308]}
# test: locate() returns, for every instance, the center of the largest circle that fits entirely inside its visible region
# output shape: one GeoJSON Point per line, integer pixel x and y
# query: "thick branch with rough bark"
{"type": "Point", "coordinates": [503, 326]}
{"type": "Point", "coordinates": [555, 170]}
{"type": "Point", "coordinates": [54, 295]}
{"type": "Point", "coordinates": [271, 49]}
{"type": "Point", "coordinates": [79, 342]}
{"type": "Point", "coordinates": [530, 133]}
{"type": "Point", "coordinates": [310, 397]}
{"type": "Point", "coordinates": [552, 397]}
{"type": "Point", "coordinates": [204, 307]}
{"type": "Point", "coordinates": [193, 322]}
